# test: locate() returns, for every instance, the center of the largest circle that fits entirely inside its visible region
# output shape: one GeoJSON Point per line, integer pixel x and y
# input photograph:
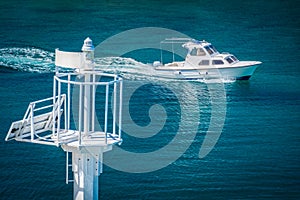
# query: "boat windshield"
{"type": "Point", "coordinates": [211, 49]}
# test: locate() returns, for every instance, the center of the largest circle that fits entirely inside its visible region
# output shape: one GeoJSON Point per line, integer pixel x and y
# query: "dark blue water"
{"type": "Point", "coordinates": [257, 155]}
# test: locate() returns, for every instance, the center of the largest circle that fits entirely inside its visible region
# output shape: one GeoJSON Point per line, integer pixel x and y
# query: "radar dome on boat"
{"type": "Point", "coordinates": [156, 63]}
{"type": "Point", "coordinates": [88, 45]}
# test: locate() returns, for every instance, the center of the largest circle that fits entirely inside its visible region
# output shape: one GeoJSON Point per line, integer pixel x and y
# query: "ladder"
{"type": "Point", "coordinates": [68, 166]}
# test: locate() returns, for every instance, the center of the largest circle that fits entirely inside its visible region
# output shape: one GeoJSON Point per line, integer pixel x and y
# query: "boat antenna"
{"type": "Point", "coordinates": [173, 50]}
{"type": "Point", "coordinates": [161, 54]}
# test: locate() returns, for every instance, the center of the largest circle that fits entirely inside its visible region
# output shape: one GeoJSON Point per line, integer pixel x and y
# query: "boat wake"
{"type": "Point", "coordinates": [36, 60]}
{"type": "Point", "coordinates": [128, 68]}
{"type": "Point", "coordinates": [28, 59]}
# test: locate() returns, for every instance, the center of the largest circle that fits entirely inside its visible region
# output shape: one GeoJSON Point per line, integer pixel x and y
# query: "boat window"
{"type": "Point", "coordinates": [200, 52]}
{"type": "Point", "coordinates": [229, 60]}
{"type": "Point", "coordinates": [193, 52]}
{"type": "Point", "coordinates": [208, 50]}
{"type": "Point", "coordinates": [204, 62]}
{"type": "Point", "coordinates": [211, 49]}
{"type": "Point", "coordinates": [217, 62]}
{"type": "Point", "coordinates": [233, 58]}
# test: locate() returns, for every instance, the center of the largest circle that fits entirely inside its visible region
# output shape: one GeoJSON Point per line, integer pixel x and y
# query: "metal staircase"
{"type": "Point", "coordinates": [37, 123]}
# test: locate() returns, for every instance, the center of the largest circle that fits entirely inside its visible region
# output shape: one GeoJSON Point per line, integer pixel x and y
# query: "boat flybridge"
{"type": "Point", "coordinates": [204, 61]}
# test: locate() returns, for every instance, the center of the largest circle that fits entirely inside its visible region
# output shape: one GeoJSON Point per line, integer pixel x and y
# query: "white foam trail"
{"type": "Point", "coordinates": [126, 67]}
{"type": "Point", "coordinates": [28, 59]}
{"type": "Point", "coordinates": [215, 80]}
{"type": "Point", "coordinates": [32, 59]}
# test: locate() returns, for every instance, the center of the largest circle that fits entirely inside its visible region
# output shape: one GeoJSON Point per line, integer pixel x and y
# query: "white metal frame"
{"type": "Point", "coordinates": [68, 79]}
{"type": "Point", "coordinates": [32, 124]}
{"type": "Point", "coordinates": [30, 128]}
{"type": "Point", "coordinates": [48, 121]}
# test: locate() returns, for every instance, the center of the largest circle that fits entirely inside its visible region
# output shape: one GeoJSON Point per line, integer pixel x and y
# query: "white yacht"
{"type": "Point", "coordinates": [203, 61]}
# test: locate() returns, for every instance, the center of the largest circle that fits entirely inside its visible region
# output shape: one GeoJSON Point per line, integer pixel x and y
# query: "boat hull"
{"type": "Point", "coordinates": [238, 73]}
{"type": "Point", "coordinates": [233, 72]}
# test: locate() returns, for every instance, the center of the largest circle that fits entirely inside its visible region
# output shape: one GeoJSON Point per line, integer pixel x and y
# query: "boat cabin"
{"type": "Point", "coordinates": [202, 53]}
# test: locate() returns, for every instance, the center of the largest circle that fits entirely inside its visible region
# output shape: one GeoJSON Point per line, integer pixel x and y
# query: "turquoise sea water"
{"type": "Point", "coordinates": [257, 155]}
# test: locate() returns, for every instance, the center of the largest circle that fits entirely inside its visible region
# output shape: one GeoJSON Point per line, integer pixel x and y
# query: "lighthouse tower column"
{"type": "Point", "coordinates": [86, 168]}
{"type": "Point", "coordinates": [88, 52]}
{"type": "Point", "coordinates": [86, 162]}
{"type": "Point", "coordinates": [87, 152]}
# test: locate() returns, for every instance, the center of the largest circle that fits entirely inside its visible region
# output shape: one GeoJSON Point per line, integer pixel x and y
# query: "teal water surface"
{"type": "Point", "coordinates": [257, 155]}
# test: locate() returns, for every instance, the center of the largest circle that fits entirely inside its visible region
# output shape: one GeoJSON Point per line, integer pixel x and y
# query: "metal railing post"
{"type": "Point", "coordinates": [53, 110]}
{"type": "Point", "coordinates": [115, 105]}
{"type": "Point", "coordinates": [32, 122]}
{"type": "Point", "coordinates": [69, 101]}
{"type": "Point", "coordinates": [80, 114]}
{"type": "Point", "coordinates": [58, 110]}
{"type": "Point", "coordinates": [120, 108]}
{"type": "Point", "coordinates": [65, 110]}
{"type": "Point", "coordinates": [106, 112]}
{"type": "Point", "coordinates": [93, 102]}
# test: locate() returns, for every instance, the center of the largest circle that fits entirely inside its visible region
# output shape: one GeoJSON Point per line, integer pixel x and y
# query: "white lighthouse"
{"type": "Point", "coordinates": [48, 121]}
